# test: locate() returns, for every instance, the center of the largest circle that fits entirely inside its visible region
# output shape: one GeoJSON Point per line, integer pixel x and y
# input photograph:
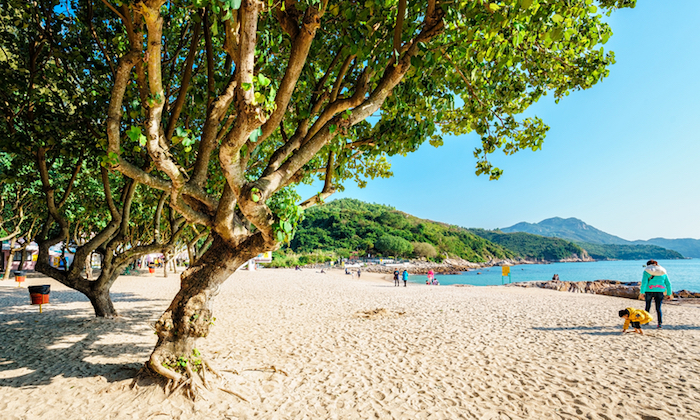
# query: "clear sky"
{"type": "Point", "coordinates": [623, 156]}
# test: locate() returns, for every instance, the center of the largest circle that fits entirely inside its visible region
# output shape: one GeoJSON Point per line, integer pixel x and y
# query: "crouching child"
{"type": "Point", "coordinates": [636, 317]}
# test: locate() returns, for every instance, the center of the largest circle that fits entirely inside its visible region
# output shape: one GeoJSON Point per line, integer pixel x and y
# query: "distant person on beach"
{"type": "Point", "coordinates": [635, 317]}
{"type": "Point", "coordinates": [655, 284]}
{"type": "Point", "coordinates": [405, 277]}
{"type": "Point", "coordinates": [358, 273]}
{"type": "Point", "coordinates": [555, 277]}
{"type": "Point", "coordinates": [396, 278]}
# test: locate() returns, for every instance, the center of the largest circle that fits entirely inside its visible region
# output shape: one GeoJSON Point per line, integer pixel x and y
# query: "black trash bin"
{"type": "Point", "coordinates": [20, 276]}
{"type": "Point", "coordinates": [39, 294]}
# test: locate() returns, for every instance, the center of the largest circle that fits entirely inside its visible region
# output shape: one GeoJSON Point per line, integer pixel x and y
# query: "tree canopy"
{"type": "Point", "coordinates": [226, 105]}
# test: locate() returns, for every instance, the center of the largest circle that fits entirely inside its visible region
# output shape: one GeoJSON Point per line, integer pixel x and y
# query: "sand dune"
{"type": "Point", "coordinates": [324, 346]}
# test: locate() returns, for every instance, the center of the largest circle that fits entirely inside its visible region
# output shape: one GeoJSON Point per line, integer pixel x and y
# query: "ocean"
{"type": "Point", "coordinates": [684, 274]}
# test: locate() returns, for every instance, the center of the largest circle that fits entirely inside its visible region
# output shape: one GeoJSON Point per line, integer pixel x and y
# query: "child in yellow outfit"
{"type": "Point", "coordinates": [636, 317]}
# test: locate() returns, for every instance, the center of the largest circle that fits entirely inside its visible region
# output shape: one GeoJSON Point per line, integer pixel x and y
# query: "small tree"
{"type": "Point", "coordinates": [393, 245]}
{"type": "Point", "coordinates": [424, 249]}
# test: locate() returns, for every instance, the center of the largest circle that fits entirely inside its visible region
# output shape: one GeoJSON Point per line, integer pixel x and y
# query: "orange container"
{"type": "Point", "coordinates": [151, 270]}
{"type": "Point", "coordinates": [20, 279]}
{"type": "Point", "coordinates": [39, 299]}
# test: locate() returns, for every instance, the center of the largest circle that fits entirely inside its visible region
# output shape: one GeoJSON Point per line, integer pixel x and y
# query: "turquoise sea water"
{"type": "Point", "coordinates": [684, 274]}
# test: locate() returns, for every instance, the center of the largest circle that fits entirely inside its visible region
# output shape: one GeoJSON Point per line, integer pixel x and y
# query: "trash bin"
{"type": "Point", "coordinates": [39, 294]}
{"type": "Point", "coordinates": [20, 276]}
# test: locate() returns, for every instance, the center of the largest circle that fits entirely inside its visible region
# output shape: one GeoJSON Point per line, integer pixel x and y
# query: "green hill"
{"type": "Point", "coordinates": [531, 246]}
{"type": "Point", "coordinates": [687, 246]}
{"type": "Point", "coordinates": [629, 252]}
{"type": "Point", "coordinates": [351, 226]}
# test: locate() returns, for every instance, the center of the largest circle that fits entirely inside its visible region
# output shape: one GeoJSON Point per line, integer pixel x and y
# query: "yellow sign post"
{"type": "Point", "coordinates": [505, 272]}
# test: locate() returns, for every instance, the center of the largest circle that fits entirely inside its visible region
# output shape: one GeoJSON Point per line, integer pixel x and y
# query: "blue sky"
{"type": "Point", "coordinates": [623, 156]}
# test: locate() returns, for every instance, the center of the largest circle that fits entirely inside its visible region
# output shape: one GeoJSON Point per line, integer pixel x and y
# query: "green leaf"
{"type": "Point", "coordinates": [134, 133]}
{"type": "Point", "coordinates": [255, 197]}
{"type": "Point", "coordinates": [494, 7]}
{"type": "Point", "coordinates": [234, 4]}
{"type": "Point", "coordinates": [332, 128]}
{"type": "Point", "coordinates": [557, 18]}
{"type": "Point", "coordinates": [255, 134]}
{"type": "Point", "coordinates": [262, 80]}
{"type": "Point", "coordinates": [287, 226]}
{"type": "Point", "coordinates": [246, 86]}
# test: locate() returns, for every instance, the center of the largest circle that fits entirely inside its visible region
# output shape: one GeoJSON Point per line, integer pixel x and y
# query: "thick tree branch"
{"type": "Point", "coordinates": [301, 43]}
{"type": "Point", "coordinates": [185, 84]}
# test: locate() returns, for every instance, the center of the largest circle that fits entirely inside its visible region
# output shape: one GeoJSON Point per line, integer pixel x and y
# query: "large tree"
{"type": "Point", "coordinates": [52, 103]}
{"type": "Point", "coordinates": [227, 104]}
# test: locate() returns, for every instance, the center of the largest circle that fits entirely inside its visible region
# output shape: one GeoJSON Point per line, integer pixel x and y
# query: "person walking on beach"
{"type": "Point", "coordinates": [405, 277]}
{"type": "Point", "coordinates": [396, 278]}
{"type": "Point", "coordinates": [655, 284]}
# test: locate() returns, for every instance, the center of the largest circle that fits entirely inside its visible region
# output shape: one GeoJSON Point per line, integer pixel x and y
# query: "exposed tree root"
{"type": "Point", "coordinates": [190, 383]}
{"type": "Point", "coordinates": [271, 369]}
{"type": "Point", "coordinates": [233, 393]}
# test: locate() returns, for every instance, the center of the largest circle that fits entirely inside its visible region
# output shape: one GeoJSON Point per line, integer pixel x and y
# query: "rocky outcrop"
{"type": "Point", "coordinates": [597, 287]}
{"type": "Point", "coordinates": [615, 288]}
{"type": "Point", "coordinates": [684, 294]}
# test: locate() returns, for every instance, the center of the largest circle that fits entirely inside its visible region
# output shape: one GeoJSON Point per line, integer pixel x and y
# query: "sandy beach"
{"type": "Point", "coordinates": [307, 345]}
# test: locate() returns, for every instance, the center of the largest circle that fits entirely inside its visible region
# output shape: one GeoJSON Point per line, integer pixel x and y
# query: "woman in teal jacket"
{"type": "Point", "coordinates": [655, 285]}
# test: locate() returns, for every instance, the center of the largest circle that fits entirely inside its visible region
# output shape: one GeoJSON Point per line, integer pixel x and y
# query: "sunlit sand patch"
{"type": "Point", "coordinates": [15, 373]}
{"type": "Point", "coordinates": [67, 341]}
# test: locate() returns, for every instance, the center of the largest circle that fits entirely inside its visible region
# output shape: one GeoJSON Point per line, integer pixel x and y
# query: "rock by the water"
{"type": "Point", "coordinates": [615, 288]}
{"type": "Point", "coordinates": [597, 287]}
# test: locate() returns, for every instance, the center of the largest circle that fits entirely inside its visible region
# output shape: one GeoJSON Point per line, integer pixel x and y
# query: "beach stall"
{"type": "Point", "coordinates": [31, 254]}
{"type": "Point", "coordinates": [61, 256]}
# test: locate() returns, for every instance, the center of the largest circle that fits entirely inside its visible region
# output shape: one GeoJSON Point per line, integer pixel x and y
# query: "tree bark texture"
{"type": "Point", "coordinates": [189, 316]}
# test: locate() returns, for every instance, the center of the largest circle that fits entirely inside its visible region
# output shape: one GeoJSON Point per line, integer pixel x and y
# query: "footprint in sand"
{"type": "Point", "coordinates": [379, 396]}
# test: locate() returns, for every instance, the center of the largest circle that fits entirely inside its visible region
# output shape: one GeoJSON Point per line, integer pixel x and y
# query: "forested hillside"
{"type": "Point", "coordinates": [533, 246]}
{"type": "Point", "coordinates": [629, 252]}
{"type": "Point", "coordinates": [348, 225]}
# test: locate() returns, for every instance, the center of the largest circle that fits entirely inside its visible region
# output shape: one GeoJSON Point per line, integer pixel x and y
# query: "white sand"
{"type": "Point", "coordinates": [435, 352]}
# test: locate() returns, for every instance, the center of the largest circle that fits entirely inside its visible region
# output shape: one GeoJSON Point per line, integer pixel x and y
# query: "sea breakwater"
{"type": "Point", "coordinates": [615, 288]}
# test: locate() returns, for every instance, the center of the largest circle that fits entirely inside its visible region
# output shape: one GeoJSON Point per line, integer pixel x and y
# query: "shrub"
{"type": "Point", "coordinates": [424, 249]}
{"type": "Point", "coordinates": [389, 244]}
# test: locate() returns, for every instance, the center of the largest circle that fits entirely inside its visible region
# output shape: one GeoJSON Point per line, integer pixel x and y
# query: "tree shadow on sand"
{"type": "Point", "coordinates": [616, 330]}
{"type": "Point", "coordinates": [70, 341]}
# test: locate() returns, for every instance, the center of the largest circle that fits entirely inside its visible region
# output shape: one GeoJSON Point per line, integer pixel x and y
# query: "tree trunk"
{"type": "Point", "coordinates": [101, 301]}
{"type": "Point", "coordinates": [22, 258]}
{"type": "Point", "coordinates": [10, 257]}
{"type": "Point", "coordinates": [189, 316]}
{"type": "Point", "coordinates": [88, 267]}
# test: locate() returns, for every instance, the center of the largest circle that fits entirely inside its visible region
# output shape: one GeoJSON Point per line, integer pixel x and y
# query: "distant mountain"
{"type": "Point", "coordinates": [571, 229]}
{"type": "Point", "coordinates": [687, 246]}
{"type": "Point", "coordinates": [602, 245]}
